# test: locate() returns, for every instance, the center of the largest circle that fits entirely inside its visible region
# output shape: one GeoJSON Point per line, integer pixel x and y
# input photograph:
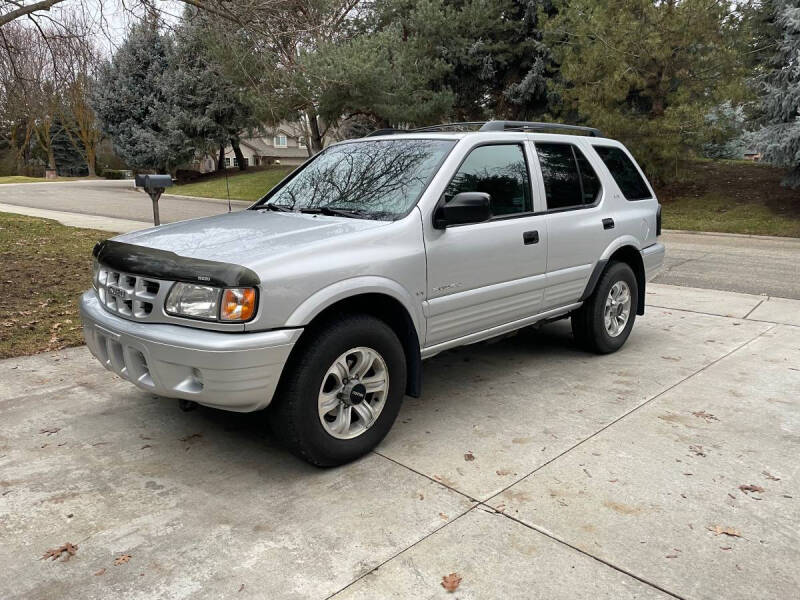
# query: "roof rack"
{"type": "Point", "coordinates": [495, 126]}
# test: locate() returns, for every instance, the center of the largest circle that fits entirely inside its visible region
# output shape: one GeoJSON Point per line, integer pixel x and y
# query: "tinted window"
{"type": "Point", "coordinates": [569, 179]}
{"type": "Point", "coordinates": [624, 173]}
{"type": "Point", "coordinates": [377, 179]}
{"type": "Point", "coordinates": [501, 172]}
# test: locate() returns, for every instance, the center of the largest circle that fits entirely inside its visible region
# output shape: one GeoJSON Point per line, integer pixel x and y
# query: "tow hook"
{"type": "Point", "coordinates": [187, 405]}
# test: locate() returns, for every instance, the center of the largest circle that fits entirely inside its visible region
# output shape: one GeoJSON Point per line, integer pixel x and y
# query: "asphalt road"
{"type": "Point", "coordinates": [116, 199]}
{"type": "Point", "coordinates": [751, 265]}
{"type": "Point", "coordinates": [734, 263]}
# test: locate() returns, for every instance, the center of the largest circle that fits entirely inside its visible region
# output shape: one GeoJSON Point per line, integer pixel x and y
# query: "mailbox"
{"type": "Point", "coordinates": [157, 182]}
{"type": "Point", "coordinates": [154, 185]}
{"type": "Point", "coordinates": [138, 179]}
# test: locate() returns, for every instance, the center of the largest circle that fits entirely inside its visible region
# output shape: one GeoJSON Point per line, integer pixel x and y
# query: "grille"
{"type": "Point", "coordinates": [130, 296]}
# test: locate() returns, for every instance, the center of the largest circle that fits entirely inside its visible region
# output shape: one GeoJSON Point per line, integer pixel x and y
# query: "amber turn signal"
{"type": "Point", "coordinates": [238, 304]}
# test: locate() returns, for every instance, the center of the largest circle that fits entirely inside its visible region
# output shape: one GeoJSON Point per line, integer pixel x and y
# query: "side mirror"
{"type": "Point", "coordinates": [466, 207]}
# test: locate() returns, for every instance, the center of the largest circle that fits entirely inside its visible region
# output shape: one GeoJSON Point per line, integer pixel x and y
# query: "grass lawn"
{"type": "Point", "coordinates": [250, 185]}
{"type": "Point", "coordinates": [731, 197]}
{"type": "Point", "coordinates": [44, 268]}
{"type": "Point", "coordinates": [19, 179]}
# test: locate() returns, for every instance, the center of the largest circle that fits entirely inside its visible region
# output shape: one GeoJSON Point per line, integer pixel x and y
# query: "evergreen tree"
{"type": "Point", "coordinates": [497, 64]}
{"type": "Point", "coordinates": [779, 139]}
{"type": "Point", "coordinates": [212, 108]}
{"type": "Point", "coordinates": [648, 72]}
{"type": "Point", "coordinates": [134, 105]}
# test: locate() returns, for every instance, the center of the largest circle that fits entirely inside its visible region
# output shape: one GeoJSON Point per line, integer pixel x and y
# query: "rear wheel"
{"type": "Point", "coordinates": [341, 394]}
{"type": "Point", "coordinates": [605, 320]}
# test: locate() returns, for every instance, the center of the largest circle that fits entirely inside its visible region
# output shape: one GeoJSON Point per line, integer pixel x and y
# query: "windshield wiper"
{"type": "Point", "coordinates": [278, 207]}
{"type": "Point", "coordinates": [337, 212]}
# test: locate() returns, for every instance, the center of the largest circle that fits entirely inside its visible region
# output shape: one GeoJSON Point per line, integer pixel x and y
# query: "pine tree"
{"type": "Point", "coordinates": [779, 139]}
{"type": "Point", "coordinates": [648, 72]}
{"type": "Point", "coordinates": [134, 106]}
{"type": "Point", "coordinates": [212, 108]}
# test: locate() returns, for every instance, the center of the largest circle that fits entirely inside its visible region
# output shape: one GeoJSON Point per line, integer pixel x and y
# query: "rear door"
{"type": "Point", "coordinates": [482, 275]}
{"type": "Point", "coordinates": [576, 207]}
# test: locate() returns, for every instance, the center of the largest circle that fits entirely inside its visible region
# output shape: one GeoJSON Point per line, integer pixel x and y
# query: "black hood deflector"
{"type": "Point", "coordinates": [162, 264]}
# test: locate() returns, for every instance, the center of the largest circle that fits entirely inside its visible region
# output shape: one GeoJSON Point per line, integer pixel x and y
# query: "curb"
{"type": "Point", "coordinates": [734, 235]}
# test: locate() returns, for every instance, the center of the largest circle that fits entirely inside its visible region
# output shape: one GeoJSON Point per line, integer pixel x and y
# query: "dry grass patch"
{"type": "Point", "coordinates": [44, 268]}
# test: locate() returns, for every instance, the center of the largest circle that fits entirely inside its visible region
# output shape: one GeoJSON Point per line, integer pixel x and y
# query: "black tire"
{"type": "Point", "coordinates": [294, 416]}
{"type": "Point", "coordinates": [588, 325]}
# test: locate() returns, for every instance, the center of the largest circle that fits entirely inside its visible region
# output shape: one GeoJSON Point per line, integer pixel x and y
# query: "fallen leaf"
{"type": "Point", "coordinates": [697, 449]}
{"type": "Point", "coordinates": [421, 496]}
{"type": "Point", "coordinates": [469, 456]}
{"type": "Point", "coordinates": [241, 587]}
{"type": "Point", "coordinates": [768, 475]}
{"type": "Point", "coordinates": [444, 516]}
{"type": "Point", "coordinates": [55, 553]}
{"type": "Point", "coordinates": [50, 430]}
{"type": "Point", "coordinates": [100, 572]}
{"type": "Point", "coordinates": [718, 530]}
{"type": "Point", "coordinates": [121, 560]}
{"type": "Point", "coordinates": [701, 414]}
{"type": "Point", "coordinates": [751, 488]}
{"type": "Point", "coordinates": [145, 446]}
{"type": "Point", "coordinates": [671, 556]}
{"type": "Point", "coordinates": [503, 472]}
{"type": "Point", "coordinates": [451, 582]}
{"type": "Point", "coordinates": [726, 547]}
{"type": "Point", "coordinates": [191, 438]}
{"type": "Point", "coordinates": [500, 507]}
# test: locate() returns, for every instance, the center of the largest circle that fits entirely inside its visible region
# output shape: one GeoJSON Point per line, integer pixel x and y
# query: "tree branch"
{"type": "Point", "coordinates": [27, 10]}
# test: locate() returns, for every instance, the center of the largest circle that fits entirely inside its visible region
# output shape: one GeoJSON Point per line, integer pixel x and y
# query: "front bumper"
{"type": "Point", "coordinates": [231, 371]}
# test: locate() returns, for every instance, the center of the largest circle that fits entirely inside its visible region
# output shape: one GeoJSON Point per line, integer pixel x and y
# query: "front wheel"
{"type": "Point", "coordinates": [341, 394]}
{"type": "Point", "coordinates": [605, 320]}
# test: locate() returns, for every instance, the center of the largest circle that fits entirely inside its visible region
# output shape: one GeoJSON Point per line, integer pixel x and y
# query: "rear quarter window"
{"type": "Point", "coordinates": [624, 172]}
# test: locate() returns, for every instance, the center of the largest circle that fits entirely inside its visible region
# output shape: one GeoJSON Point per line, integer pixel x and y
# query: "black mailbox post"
{"type": "Point", "coordinates": [154, 185]}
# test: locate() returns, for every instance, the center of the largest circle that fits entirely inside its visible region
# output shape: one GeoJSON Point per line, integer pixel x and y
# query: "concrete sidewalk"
{"type": "Point", "coordinates": [606, 476]}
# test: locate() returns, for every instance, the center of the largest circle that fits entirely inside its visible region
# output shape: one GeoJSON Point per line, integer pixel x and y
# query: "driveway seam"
{"type": "Point", "coordinates": [699, 312]}
{"type": "Point", "coordinates": [583, 552]}
{"type": "Point", "coordinates": [755, 307]}
{"type": "Point", "coordinates": [422, 539]}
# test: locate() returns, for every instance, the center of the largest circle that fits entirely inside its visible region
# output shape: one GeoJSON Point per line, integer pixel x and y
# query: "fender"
{"type": "Point", "coordinates": [356, 286]}
{"type": "Point", "coordinates": [600, 265]}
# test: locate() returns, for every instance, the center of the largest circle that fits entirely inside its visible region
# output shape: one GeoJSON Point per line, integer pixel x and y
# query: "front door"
{"type": "Point", "coordinates": [482, 275]}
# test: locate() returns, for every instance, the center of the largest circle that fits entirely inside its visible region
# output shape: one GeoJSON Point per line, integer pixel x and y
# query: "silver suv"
{"type": "Point", "coordinates": [322, 299]}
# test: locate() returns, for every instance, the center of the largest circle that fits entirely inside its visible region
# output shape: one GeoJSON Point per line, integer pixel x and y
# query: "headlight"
{"type": "Point", "coordinates": [211, 303]}
{"type": "Point", "coordinates": [195, 301]}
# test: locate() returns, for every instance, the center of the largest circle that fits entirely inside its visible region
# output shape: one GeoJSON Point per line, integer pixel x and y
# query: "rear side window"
{"type": "Point", "coordinates": [569, 179]}
{"type": "Point", "coordinates": [624, 173]}
{"type": "Point", "coordinates": [500, 171]}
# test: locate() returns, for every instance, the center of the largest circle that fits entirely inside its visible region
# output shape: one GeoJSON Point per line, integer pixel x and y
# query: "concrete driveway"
{"type": "Point", "coordinates": [529, 468]}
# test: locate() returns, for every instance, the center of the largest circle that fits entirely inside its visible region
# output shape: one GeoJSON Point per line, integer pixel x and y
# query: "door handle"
{"type": "Point", "coordinates": [608, 223]}
{"type": "Point", "coordinates": [530, 237]}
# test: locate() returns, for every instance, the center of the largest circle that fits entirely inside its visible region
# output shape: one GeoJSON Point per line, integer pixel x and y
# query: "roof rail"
{"type": "Point", "coordinates": [537, 126]}
{"type": "Point", "coordinates": [495, 126]}
{"type": "Point", "coordinates": [386, 131]}
{"type": "Point", "coordinates": [457, 126]}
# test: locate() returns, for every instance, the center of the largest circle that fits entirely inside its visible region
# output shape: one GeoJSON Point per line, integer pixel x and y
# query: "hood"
{"type": "Point", "coordinates": [245, 237]}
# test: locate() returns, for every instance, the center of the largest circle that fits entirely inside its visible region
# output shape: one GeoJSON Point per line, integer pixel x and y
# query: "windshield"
{"type": "Point", "coordinates": [379, 179]}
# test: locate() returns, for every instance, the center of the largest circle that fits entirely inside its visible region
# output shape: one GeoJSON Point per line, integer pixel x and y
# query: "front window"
{"type": "Point", "coordinates": [381, 179]}
{"type": "Point", "coordinates": [500, 171]}
{"type": "Point", "coordinates": [279, 141]}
